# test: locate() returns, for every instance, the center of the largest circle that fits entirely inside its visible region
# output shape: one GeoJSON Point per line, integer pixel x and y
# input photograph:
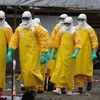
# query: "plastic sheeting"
{"type": "Point", "coordinates": [55, 3]}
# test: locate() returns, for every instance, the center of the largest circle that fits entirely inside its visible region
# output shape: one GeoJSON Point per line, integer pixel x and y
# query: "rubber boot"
{"type": "Point", "coordinates": [89, 86]}
{"type": "Point", "coordinates": [28, 95]}
{"type": "Point", "coordinates": [63, 90]}
{"type": "Point", "coordinates": [80, 90]}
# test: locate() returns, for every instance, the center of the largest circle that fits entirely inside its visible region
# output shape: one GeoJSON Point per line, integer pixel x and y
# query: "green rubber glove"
{"type": "Point", "coordinates": [54, 54]}
{"type": "Point", "coordinates": [9, 55]}
{"type": "Point", "coordinates": [74, 55]}
{"type": "Point", "coordinates": [48, 54]}
{"type": "Point", "coordinates": [43, 58]}
{"type": "Point", "coordinates": [94, 56]}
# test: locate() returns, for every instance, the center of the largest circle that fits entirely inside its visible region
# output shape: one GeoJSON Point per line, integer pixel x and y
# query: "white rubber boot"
{"type": "Point", "coordinates": [69, 93]}
{"type": "Point", "coordinates": [57, 91]}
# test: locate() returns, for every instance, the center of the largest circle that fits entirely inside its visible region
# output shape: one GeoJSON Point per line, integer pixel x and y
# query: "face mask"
{"type": "Point", "coordinates": [61, 20]}
{"type": "Point", "coordinates": [67, 25]}
{"type": "Point", "coordinates": [25, 20]}
{"type": "Point", "coordinates": [81, 23]}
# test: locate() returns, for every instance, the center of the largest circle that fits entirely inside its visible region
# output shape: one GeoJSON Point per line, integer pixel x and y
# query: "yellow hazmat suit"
{"type": "Point", "coordinates": [5, 36]}
{"type": "Point", "coordinates": [84, 63]}
{"type": "Point", "coordinates": [31, 42]}
{"type": "Point", "coordinates": [52, 63]}
{"type": "Point", "coordinates": [43, 67]}
{"type": "Point", "coordinates": [63, 74]}
{"type": "Point", "coordinates": [40, 87]}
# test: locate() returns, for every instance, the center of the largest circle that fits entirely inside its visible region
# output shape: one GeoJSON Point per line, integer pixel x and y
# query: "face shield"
{"type": "Point", "coordinates": [26, 18]}
{"type": "Point", "coordinates": [81, 22]}
{"type": "Point", "coordinates": [68, 23]}
{"type": "Point", "coordinates": [82, 19]}
{"type": "Point", "coordinates": [62, 18]}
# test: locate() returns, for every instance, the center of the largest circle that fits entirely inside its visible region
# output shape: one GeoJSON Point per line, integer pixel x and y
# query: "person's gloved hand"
{"type": "Point", "coordinates": [43, 58]}
{"type": "Point", "coordinates": [74, 55]}
{"type": "Point", "coordinates": [9, 55]}
{"type": "Point", "coordinates": [54, 54]}
{"type": "Point", "coordinates": [94, 56]}
{"type": "Point", "coordinates": [48, 54]}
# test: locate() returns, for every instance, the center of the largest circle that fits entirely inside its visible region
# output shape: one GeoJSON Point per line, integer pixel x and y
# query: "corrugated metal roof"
{"type": "Point", "coordinates": [55, 3]}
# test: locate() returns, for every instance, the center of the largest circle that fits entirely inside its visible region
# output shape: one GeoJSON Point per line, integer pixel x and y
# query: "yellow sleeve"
{"type": "Point", "coordinates": [8, 34]}
{"type": "Point", "coordinates": [55, 37]}
{"type": "Point", "coordinates": [53, 34]}
{"type": "Point", "coordinates": [14, 40]}
{"type": "Point", "coordinates": [77, 40]}
{"type": "Point", "coordinates": [49, 41]}
{"type": "Point", "coordinates": [93, 37]}
{"type": "Point", "coordinates": [42, 39]}
{"type": "Point", "coordinates": [47, 33]}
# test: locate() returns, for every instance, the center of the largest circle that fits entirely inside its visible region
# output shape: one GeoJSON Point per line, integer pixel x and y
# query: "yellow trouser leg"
{"type": "Point", "coordinates": [80, 80]}
{"type": "Point", "coordinates": [30, 88]}
{"type": "Point", "coordinates": [59, 85]}
{"type": "Point", "coordinates": [40, 87]}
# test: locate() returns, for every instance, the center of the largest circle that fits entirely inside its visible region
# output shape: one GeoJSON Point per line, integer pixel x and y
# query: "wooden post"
{"type": "Point", "coordinates": [15, 17]}
{"type": "Point", "coordinates": [33, 9]}
{"type": "Point", "coordinates": [5, 10]}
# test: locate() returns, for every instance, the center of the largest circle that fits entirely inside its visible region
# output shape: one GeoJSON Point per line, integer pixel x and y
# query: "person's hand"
{"type": "Point", "coordinates": [49, 53]}
{"type": "Point", "coordinates": [9, 55]}
{"type": "Point", "coordinates": [94, 55]}
{"type": "Point", "coordinates": [43, 58]}
{"type": "Point", "coordinates": [74, 55]}
{"type": "Point", "coordinates": [54, 54]}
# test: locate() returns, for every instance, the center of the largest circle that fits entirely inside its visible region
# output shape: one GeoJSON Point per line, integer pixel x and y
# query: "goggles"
{"type": "Point", "coordinates": [25, 18]}
{"type": "Point", "coordinates": [80, 19]}
{"type": "Point", "coordinates": [67, 24]}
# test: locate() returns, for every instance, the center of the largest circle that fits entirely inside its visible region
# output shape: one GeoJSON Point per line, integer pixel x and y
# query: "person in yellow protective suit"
{"type": "Point", "coordinates": [40, 87]}
{"type": "Point", "coordinates": [43, 67]}
{"type": "Point", "coordinates": [67, 47]}
{"type": "Point", "coordinates": [5, 36]}
{"type": "Point", "coordinates": [52, 62]}
{"type": "Point", "coordinates": [32, 43]}
{"type": "Point", "coordinates": [53, 42]}
{"type": "Point", "coordinates": [84, 63]}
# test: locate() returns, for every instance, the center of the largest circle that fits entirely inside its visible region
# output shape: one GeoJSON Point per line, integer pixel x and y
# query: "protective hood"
{"type": "Point", "coordinates": [5, 25]}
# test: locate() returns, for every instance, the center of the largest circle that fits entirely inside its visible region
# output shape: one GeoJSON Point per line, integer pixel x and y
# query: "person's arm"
{"type": "Point", "coordinates": [56, 44]}
{"type": "Point", "coordinates": [94, 42]}
{"type": "Point", "coordinates": [77, 40]}
{"type": "Point", "coordinates": [12, 45]}
{"type": "Point", "coordinates": [42, 40]}
{"type": "Point", "coordinates": [8, 34]}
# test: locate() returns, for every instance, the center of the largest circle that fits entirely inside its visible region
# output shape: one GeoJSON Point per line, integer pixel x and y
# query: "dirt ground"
{"type": "Point", "coordinates": [94, 95]}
